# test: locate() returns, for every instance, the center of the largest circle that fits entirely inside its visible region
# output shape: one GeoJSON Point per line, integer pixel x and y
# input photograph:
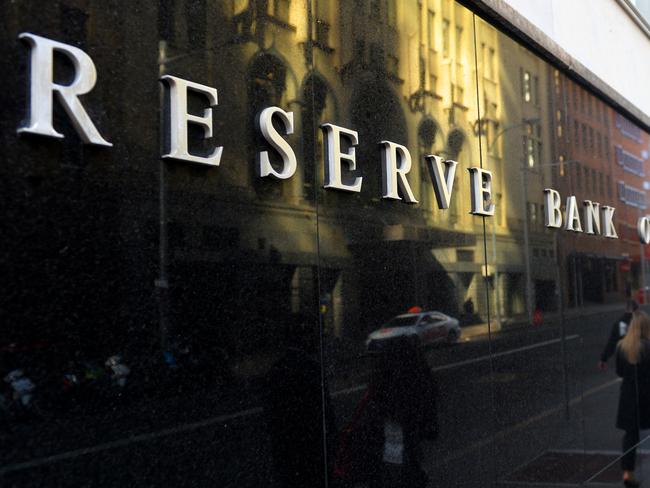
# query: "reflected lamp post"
{"type": "Point", "coordinates": [529, 289]}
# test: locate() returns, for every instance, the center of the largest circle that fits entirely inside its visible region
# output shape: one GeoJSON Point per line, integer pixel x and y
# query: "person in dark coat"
{"type": "Point", "coordinates": [633, 366]}
{"type": "Point", "coordinates": [381, 447]}
{"type": "Point", "coordinates": [617, 332]}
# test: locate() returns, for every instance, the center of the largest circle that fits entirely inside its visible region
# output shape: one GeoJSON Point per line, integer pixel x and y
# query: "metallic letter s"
{"type": "Point", "coordinates": [279, 144]}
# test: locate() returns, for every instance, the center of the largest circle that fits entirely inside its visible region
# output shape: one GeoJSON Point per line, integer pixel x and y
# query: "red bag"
{"type": "Point", "coordinates": [357, 457]}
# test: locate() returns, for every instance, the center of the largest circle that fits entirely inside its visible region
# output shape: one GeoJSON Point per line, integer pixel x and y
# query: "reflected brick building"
{"type": "Point", "coordinates": [591, 164]}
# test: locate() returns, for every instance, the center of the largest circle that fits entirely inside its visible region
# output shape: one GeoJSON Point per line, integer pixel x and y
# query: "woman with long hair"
{"type": "Point", "coordinates": [633, 366]}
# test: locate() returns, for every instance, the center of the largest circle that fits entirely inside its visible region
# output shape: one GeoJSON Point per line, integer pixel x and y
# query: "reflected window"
{"type": "Point", "coordinates": [323, 25]}
{"type": "Point", "coordinates": [532, 145]}
{"type": "Point", "coordinates": [593, 180]}
{"type": "Point", "coordinates": [431, 29]}
{"type": "Point", "coordinates": [525, 86]}
{"type": "Point", "coordinates": [166, 18]}
{"type": "Point", "coordinates": [392, 13]}
{"type": "Point", "coordinates": [458, 93]}
{"type": "Point", "coordinates": [498, 211]}
{"type": "Point", "coordinates": [609, 186]}
{"type": "Point", "coordinates": [465, 255]}
{"type": "Point", "coordinates": [322, 34]}
{"type": "Point", "coordinates": [574, 92]}
{"type": "Point", "coordinates": [280, 9]}
{"type": "Point", "coordinates": [445, 37]}
{"type": "Point", "coordinates": [196, 27]}
{"type": "Point", "coordinates": [375, 9]}
{"type": "Point", "coordinates": [578, 176]}
{"type": "Point", "coordinates": [459, 43]}
{"type": "Point", "coordinates": [393, 64]}
{"type": "Point", "coordinates": [455, 142]}
{"type": "Point", "coordinates": [532, 212]}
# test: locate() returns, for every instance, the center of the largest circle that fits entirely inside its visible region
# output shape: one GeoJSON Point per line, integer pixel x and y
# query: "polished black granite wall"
{"type": "Point", "coordinates": [191, 325]}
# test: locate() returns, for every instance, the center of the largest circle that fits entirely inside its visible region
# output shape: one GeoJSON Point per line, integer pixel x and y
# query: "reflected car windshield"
{"type": "Point", "coordinates": [402, 321]}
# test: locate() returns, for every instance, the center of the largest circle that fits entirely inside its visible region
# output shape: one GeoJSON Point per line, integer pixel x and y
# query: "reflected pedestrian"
{"type": "Point", "coordinates": [633, 366]}
{"type": "Point", "coordinates": [617, 332]}
{"type": "Point", "coordinates": [382, 445]}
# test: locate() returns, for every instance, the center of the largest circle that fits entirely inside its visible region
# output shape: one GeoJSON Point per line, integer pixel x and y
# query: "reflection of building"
{"type": "Point", "coordinates": [399, 72]}
{"type": "Point", "coordinates": [592, 164]}
{"type": "Point", "coordinates": [515, 134]}
{"type": "Point", "coordinates": [403, 73]}
{"type": "Point", "coordinates": [629, 154]}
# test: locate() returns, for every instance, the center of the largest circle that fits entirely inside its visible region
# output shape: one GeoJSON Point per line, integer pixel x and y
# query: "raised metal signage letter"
{"type": "Point", "coordinates": [572, 215]}
{"type": "Point", "coordinates": [180, 118]}
{"type": "Point", "coordinates": [608, 221]}
{"type": "Point", "coordinates": [592, 217]}
{"type": "Point", "coordinates": [481, 192]}
{"type": "Point", "coordinates": [396, 163]}
{"type": "Point", "coordinates": [552, 212]}
{"type": "Point", "coordinates": [274, 138]}
{"type": "Point", "coordinates": [643, 228]}
{"type": "Point", "coordinates": [442, 186]}
{"type": "Point", "coordinates": [42, 87]}
{"type": "Point", "coordinates": [333, 157]}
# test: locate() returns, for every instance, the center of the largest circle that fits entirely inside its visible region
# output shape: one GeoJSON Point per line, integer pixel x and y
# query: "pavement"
{"type": "Point", "coordinates": [528, 408]}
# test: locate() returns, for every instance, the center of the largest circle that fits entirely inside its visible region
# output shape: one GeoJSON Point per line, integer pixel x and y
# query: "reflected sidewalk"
{"type": "Point", "coordinates": [482, 330]}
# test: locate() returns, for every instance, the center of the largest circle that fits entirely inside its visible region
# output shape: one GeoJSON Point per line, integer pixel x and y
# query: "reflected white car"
{"type": "Point", "coordinates": [423, 328]}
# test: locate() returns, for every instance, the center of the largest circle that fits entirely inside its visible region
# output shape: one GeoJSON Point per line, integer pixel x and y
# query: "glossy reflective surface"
{"type": "Point", "coordinates": [181, 324]}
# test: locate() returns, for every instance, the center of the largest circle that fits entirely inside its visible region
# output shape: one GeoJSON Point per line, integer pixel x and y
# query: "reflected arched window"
{"type": "Point", "coordinates": [455, 142]}
{"type": "Point", "coordinates": [266, 80]}
{"type": "Point", "coordinates": [427, 133]}
{"type": "Point", "coordinates": [377, 115]}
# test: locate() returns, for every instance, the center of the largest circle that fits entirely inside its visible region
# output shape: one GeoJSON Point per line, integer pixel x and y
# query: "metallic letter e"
{"type": "Point", "coordinates": [481, 192]}
{"type": "Point", "coordinates": [42, 87]}
{"type": "Point", "coordinates": [333, 157]}
{"type": "Point", "coordinates": [179, 118]}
